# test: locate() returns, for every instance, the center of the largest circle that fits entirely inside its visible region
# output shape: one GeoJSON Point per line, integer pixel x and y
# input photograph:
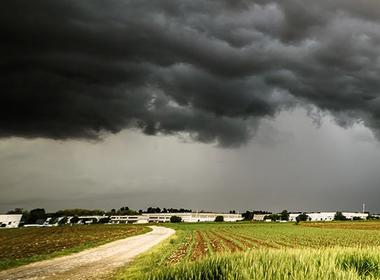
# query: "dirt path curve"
{"type": "Point", "coordinates": [95, 263]}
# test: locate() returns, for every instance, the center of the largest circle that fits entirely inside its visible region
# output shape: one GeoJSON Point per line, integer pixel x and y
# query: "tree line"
{"type": "Point", "coordinates": [39, 215]}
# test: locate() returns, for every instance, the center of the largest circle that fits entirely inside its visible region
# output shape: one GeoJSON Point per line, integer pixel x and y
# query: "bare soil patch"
{"type": "Point", "coordinates": [30, 242]}
{"type": "Point", "coordinates": [96, 263]}
{"type": "Point", "coordinates": [200, 248]}
{"type": "Point", "coordinates": [232, 246]}
{"type": "Point", "coordinates": [181, 251]}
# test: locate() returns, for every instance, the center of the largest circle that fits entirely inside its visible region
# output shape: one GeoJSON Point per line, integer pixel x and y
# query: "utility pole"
{"type": "Point", "coordinates": [363, 207]}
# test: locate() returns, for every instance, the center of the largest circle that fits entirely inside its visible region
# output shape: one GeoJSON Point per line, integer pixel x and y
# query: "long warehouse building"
{"type": "Point", "coordinates": [165, 217]}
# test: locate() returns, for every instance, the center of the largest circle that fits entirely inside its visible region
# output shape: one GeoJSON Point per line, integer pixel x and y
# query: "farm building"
{"type": "Point", "coordinates": [10, 220]}
{"type": "Point", "coordinates": [352, 215]}
{"type": "Point", "coordinates": [165, 217]}
{"type": "Point", "coordinates": [328, 216]}
{"type": "Point", "coordinates": [87, 219]}
{"type": "Point", "coordinates": [127, 219]}
{"type": "Point", "coordinates": [259, 217]}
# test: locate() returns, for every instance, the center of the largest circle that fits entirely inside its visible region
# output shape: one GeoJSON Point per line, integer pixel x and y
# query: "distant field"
{"type": "Point", "coordinates": [366, 225]}
{"type": "Point", "coordinates": [24, 245]}
{"type": "Point", "coordinates": [198, 248]}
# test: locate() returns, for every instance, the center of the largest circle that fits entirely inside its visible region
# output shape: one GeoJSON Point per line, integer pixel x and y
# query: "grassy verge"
{"type": "Point", "coordinates": [262, 251]}
{"type": "Point", "coordinates": [281, 264]}
{"type": "Point", "coordinates": [25, 245]}
{"type": "Point", "coordinates": [156, 257]}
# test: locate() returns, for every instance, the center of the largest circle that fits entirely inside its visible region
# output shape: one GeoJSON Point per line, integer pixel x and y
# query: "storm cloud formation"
{"type": "Point", "coordinates": [208, 69]}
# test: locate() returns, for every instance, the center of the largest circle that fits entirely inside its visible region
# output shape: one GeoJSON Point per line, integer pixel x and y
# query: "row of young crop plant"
{"type": "Point", "coordinates": [364, 225]}
{"type": "Point", "coordinates": [282, 264]}
{"type": "Point", "coordinates": [206, 240]}
{"type": "Point", "coordinates": [300, 236]}
{"type": "Point", "coordinates": [194, 242]}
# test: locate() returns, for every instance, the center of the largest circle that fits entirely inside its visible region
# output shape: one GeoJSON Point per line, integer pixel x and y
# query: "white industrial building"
{"type": "Point", "coordinates": [127, 219]}
{"type": "Point", "coordinates": [352, 215]}
{"type": "Point", "coordinates": [328, 216]}
{"type": "Point", "coordinates": [87, 219]}
{"type": "Point", "coordinates": [10, 220]}
{"type": "Point", "coordinates": [165, 217]}
{"type": "Point", "coordinates": [259, 217]}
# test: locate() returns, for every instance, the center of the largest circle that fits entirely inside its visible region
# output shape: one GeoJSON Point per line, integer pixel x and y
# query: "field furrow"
{"type": "Point", "coordinates": [216, 243]}
{"type": "Point", "coordinates": [200, 247]}
{"type": "Point", "coordinates": [241, 240]}
{"type": "Point", "coordinates": [182, 251]}
{"type": "Point", "coordinates": [231, 245]}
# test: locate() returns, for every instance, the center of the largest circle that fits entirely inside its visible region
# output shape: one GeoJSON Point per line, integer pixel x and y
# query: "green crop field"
{"type": "Point", "coordinates": [24, 245]}
{"type": "Point", "coordinates": [335, 250]}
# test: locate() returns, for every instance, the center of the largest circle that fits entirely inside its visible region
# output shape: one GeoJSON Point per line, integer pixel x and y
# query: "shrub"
{"type": "Point", "coordinates": [62, 221]}
{"type": "Point", "coordinates": [273, 217]}
{"type": "Point", "coordinates": [339, 217]}
{"type": "Point", "coordinates": [284, 215]}
{"type": "Point", "coordinates": [219, 219]}
{"type": "Point", "coordinates": [104, 220]}
{"type": "Point", "coordinates": [36, 215]}
{"type": "Point", "coordinates": [74, 220]}
{"type": "Point", "coordinates": [53, 221]}
{"type": "Point", "coordinates": [302, 217]}
{"type": "Point", "coordinates": [175, 219]}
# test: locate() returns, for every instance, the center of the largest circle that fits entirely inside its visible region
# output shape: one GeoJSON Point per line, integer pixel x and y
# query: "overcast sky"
{"type": "Point", "coordinates": [212, 105]}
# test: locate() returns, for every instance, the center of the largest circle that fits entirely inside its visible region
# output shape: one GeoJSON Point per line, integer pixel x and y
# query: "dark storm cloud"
{"type": "Point", "coordinates": [210, 69]}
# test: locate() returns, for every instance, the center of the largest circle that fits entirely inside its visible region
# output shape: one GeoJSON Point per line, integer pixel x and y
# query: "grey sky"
{"type": "Point", "coordinates": [291, 163]}
{"type": "Point", "coordinates": [195, 103]}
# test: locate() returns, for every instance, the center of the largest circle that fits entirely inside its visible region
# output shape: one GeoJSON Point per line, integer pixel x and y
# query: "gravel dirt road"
{"type": "Point", "coordinates": [95, 263]}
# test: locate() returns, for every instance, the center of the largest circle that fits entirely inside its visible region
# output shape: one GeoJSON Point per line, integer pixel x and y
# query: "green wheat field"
{"type": "Point", "coordinates": [334, 250]}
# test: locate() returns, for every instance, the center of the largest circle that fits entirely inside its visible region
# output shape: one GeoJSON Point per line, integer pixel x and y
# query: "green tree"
{"type": "Point", "coordinates": [126, 211]}
{"type": "Point", "coordinates": [16, 211]}
{"type": "Point", "coordinates": [247, 216]}
{"type": "Point", "coordinates": [36, 215]}
{"type": "Point", "coordinates": [104, 220]}
{"type": "Point", "coordinates": [284, 215]}
{"type": "Point", "coordinates": [273, 217]}
{"type": "Point", "coordinates": [219, 219]}
{"type": "Point", "coordinates": [78, 212]}
{"type": "Point", "coordinates": [53, 221]}
{"type": "Point", "coordinates": [153, 210]}
{"type": "Point", "coordinates": [74, 220]}
{"type": "Point", "coordinates": [62, 221]}
{"type": "Point", "coordinates": [339, 216]}
{"type": "Point", "coordinates": [25, 214]}
{"type": "Point", "coordinates": [302, 217]}
{"type": "Point", "coordinates": [175, 219]}
{"type": "Point", "coordinates": [370, 217]}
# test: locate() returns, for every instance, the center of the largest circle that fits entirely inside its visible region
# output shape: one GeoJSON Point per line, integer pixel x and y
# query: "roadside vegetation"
{"type": "Point", "coordinates": [335, 250]}
{"type": "Point", "coordinates": [24, 245]}
{"type": "Point", "coordinates": [283, 264]}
